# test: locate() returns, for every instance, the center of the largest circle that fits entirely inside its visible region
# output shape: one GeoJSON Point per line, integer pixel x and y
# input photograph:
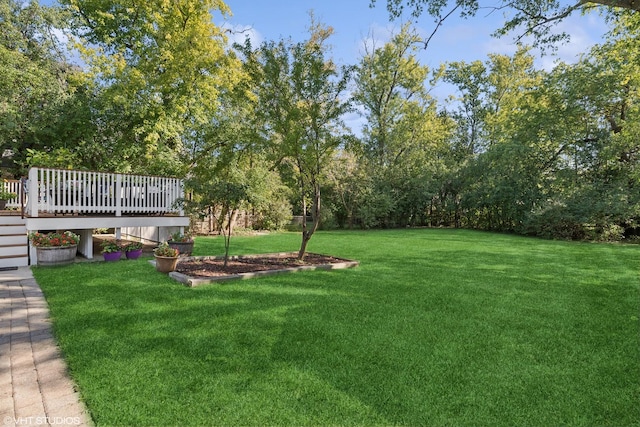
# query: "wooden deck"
{"type": "Point", "coordinates": [81, 201]}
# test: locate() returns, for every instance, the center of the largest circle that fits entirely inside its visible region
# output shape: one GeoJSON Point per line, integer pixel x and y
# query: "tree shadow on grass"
{"type": "Point", "coordinates": [142, 352]}
{"type": "Point", "coordinates": [425, 344]}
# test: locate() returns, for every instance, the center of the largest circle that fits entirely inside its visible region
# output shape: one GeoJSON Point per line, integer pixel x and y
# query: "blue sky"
{"type": "Point", "coordinates": [354, 22]}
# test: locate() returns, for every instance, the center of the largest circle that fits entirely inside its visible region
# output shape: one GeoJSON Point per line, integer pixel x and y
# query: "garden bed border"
{"type": "Point", "coordinates": [191, 281]}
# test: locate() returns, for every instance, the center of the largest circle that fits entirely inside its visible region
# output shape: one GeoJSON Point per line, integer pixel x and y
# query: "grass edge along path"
{"type": "Point", "coordinates": [436, 327]}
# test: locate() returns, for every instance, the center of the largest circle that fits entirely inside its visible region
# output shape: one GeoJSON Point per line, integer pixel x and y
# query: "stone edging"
{"type": "Point", "coordinates": [195, 281]}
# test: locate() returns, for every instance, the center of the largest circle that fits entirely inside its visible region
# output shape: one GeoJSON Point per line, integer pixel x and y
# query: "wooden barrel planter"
{"type": "Point", "coordinates": [56, 255]}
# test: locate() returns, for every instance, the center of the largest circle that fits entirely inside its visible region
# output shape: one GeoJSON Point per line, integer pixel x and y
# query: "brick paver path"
{"type": "Point", "coordinates": [34, 386]}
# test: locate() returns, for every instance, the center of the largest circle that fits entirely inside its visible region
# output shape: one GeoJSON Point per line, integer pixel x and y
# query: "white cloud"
{"type": "Point", "coordinates": [584, 31]}
{"type": "Point", "coordinates": [238, 33]}
{"type": "Point", "coordinates": [377, 36]}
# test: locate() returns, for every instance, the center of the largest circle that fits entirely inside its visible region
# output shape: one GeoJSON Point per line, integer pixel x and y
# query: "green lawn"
{"type": "Point", "coordinates": [436, 327]}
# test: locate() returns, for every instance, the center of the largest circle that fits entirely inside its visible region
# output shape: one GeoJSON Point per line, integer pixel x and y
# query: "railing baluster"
{"type": "Point", "coordinates": [73, 189]}
{"type": "Point", "coordinates": [99, 193]}
{"type": "Point", "coordinates": [100, 199]}
{"type": "Point", "coordinates": [55, 181]}
{"type": "Point", "coordinates": [47, 189]}
{"type": "Point", "coordinates": [92, 191]}
{"type": "Point", "coordinates": [55, 189]}
{"type": "Point", "coordinates": [103, 190]}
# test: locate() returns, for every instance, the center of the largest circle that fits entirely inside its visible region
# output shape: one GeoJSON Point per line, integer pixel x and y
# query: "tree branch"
{"type": "Point", "coordinates": [536, 17]}
{"type": "Point", "coordinates": [625, 4]}
{"type": "Point", "coordinates": [439, 24]}
{"type": "Point", "coordinates": [538, 20]}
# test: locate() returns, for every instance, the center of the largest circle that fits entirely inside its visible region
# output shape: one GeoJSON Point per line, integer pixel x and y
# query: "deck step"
{"type": "Point", "coordinates": [14, 247]}
{"type": "Point", "coordinates": [12, 229]}
{"type": "Point", "coordinates": [8, 251]}
{"type": "Point", "coordinates": [13, 239]}
{"type": "Point", "coordinates": [12, 220]}
{"type": "Point", "coordinates": [14, 262]}
{"type": "Point", "coordinates": [16, 255]}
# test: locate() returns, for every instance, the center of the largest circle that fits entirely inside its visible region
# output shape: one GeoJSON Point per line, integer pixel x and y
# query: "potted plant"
{"type": "Point", "coordinates": [181, 242]}
{"type": "Point", "coordinates": [111, 250]}
{"type": "Point", "coordinates": [133, 250]}
{"type": "Point", "coordinates": [5, 196]}
{"type": "Point", "coordinates": [55, 248]}
{"type": "Point", "coordinates": [166, 258]}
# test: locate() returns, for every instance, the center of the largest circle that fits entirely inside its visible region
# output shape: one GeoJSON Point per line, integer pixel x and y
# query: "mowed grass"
{"type": "Point", "coordinates": [436, 327]}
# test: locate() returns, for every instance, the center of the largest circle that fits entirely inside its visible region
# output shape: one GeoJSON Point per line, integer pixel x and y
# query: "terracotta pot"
{"type": "Point", "coordinates": [165, 264]}
{"type": "Point", "coordinates": [134, 254]}
{"type": "Point", "coordinates": [56, 255]}
{"type": "Point", "coordinates": [112, 256]}
{"type": "Point", "coordinates": [185, 248]}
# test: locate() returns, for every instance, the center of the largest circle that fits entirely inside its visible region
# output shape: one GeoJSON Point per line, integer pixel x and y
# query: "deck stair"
{"type": "Point", "coordinates": [14, 245]}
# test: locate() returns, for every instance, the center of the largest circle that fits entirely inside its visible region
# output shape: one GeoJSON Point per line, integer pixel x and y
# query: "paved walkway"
{"type": "Point", "coordinates": [34, 386]}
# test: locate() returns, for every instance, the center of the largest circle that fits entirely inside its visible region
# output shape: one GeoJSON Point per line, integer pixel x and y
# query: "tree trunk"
{"type": "Point", "coordinates": [305, 239]}
{"type": "Point", "coordinates": [227, 242]}
{"type": "Point", "coordinates": [315, 215]}
{"type": "Point", "coordinates": [232, 219]}
{"type": "Point", "coordinates": [211, 220]}
{"type": "Point", "coordinates": [221, 219]}
{"type": "Point", "coordinates": [227, 234]}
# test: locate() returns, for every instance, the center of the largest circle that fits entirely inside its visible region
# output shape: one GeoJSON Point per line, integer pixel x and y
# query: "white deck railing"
{"type": "Point", "coordinates": [13, 186]}
{"type": "Point", "coordinates": [69, 191]}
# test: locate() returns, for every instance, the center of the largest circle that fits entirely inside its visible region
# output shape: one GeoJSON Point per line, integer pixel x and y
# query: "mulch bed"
{"type": "Point", "coordinates": [214, 267]}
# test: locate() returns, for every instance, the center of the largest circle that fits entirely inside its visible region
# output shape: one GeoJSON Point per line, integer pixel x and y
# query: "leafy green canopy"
{"type": "Point", "coordinates": [39, 88]}
{"type": "Point", "coordinates": [558, 150]}
{"type": "Point", "coordinates": [158, 70]}
{"type": "Point", "coordinates": [403, 137]}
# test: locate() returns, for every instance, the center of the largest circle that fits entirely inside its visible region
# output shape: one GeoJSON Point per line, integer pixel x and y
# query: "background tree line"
{"type": "Point", "coordinates": [261, 128]}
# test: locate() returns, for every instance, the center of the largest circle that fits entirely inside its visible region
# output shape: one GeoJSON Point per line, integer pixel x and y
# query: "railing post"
{"type": "Point", "coordinates": [23, 197]}
{"type": "Point", "coordinates": [180, 184]}
{"type": "Point", "coordinates": [118, 195]}
{"type": "Point", "coordinates": [34, 196]}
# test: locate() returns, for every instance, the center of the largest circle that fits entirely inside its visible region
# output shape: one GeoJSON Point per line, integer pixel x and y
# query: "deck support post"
{"type": "Point", "coordinates": [86, 242]}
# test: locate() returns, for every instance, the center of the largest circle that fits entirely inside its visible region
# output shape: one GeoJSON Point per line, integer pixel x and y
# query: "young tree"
{"type": "Point", "coordinates": [302, 107]}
